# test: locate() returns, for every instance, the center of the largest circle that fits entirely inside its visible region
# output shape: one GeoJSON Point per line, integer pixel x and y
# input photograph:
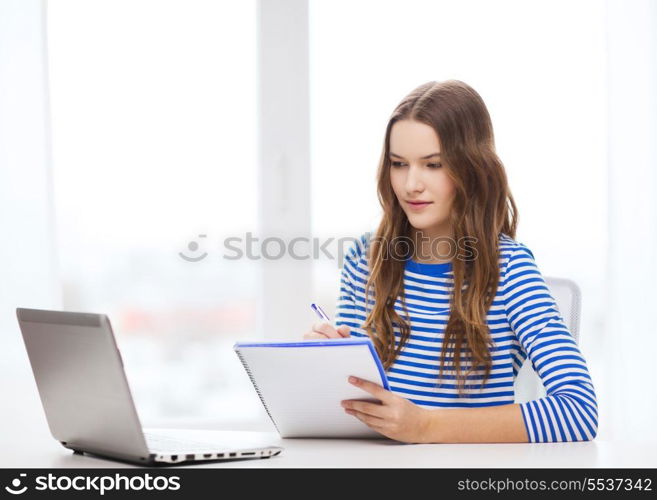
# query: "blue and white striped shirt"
{"type": "Point", "coordinates": [524, 321]}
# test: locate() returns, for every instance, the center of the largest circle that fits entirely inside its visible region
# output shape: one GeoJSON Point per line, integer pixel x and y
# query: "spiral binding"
{"type": "Point", "coordinates": [255, 386]}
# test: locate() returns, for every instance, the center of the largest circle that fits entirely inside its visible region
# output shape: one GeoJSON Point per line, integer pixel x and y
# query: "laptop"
{"type": "Point", "coordinates": [89, 408]}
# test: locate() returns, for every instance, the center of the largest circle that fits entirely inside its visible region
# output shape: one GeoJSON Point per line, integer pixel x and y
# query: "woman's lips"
{"type": "Point", "coordinates": [418, 206]}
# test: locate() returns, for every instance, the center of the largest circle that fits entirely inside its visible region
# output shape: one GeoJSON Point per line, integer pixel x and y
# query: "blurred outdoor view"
{"type": "Point", "coordinates": [154, 137]}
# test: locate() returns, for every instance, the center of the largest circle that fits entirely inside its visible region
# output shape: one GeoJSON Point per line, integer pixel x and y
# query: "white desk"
{"type": "Point", "coordinates": [38, 449]}
{"type": "Point", "coordinates": [26, 442]}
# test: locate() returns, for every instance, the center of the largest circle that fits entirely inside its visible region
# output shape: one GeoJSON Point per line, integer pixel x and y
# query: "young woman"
{"type": "Point", "coordinates": [452, 302]}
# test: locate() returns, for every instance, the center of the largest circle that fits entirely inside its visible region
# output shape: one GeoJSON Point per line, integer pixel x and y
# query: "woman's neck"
{"type": "Point", "coordinates": [433, 246]}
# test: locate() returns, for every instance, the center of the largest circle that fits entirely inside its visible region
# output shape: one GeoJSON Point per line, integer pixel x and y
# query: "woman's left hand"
{"type": "Point", "coordinates": [394, 417]}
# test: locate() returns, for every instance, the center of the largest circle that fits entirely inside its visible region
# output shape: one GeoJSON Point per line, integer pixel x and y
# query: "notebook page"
{"type": "Point", "coordinates": [302, 387]}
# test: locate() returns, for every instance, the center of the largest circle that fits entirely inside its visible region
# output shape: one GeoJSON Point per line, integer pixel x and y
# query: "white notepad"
{"type": "Point", "coordinates": [301, 384]}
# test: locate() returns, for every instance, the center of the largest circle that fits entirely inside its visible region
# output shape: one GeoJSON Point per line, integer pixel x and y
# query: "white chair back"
{"type": "Point", "coordinates": [528, 385]}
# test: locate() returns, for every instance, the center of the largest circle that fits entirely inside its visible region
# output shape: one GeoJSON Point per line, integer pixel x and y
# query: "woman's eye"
{"type": "Point", "coordinates": [401, 164]}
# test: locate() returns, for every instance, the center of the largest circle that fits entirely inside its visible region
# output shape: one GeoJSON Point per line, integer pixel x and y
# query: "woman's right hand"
{"type": "Point", "coordinates": [324, 330]}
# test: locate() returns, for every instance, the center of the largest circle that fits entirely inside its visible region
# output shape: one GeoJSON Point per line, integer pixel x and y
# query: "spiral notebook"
{"type": "Point", "coordinates": [301, 384]}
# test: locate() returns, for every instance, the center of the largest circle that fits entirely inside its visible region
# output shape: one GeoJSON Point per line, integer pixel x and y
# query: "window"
{"type": "Point", "coordinates": [546, 94]}
{"type": "Point", "coordinates": [154, 135]}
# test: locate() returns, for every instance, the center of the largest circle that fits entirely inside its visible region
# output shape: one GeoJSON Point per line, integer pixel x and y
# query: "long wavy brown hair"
{"type": "Point", "coordinates": [482, 209]}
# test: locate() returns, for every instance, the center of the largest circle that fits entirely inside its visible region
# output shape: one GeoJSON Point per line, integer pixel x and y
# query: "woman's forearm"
{"type": "Point", "coordinates": [492, 424]}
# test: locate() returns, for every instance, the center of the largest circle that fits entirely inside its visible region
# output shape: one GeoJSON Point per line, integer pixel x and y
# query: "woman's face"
{"type": "Point", "coordinates": [417, 174]}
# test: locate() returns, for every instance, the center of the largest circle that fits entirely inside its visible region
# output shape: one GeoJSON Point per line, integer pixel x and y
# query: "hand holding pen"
{"type": "Point", "coordinates": [323, 329]}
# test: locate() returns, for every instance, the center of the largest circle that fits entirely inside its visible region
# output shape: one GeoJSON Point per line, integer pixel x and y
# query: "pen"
{"type": "Point", "coordinates": [320, 312]}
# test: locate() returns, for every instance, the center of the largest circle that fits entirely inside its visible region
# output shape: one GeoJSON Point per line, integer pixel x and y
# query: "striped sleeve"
{"type": "Point", "coordinates": [569, 411]}
{"type": "Point", "coordinates": [350, 308]}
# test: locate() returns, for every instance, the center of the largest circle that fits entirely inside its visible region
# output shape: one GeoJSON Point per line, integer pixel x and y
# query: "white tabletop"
{"type": "Point", "coordinates": [39, 449]}
{"type": "Point", "coordinates": [26, 443]}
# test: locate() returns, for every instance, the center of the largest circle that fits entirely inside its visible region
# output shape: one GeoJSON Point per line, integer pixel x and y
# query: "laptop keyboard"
{"type": "Point", "coordinates": [158, 442]}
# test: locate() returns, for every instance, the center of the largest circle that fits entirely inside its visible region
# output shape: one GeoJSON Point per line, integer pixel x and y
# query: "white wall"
{"type": "Point", "coordinates": [28, 270]}
{"type": "Point", "coordinates": [27, 255]}
{"type": "Point", "coordinates": [284, 164]}
{"type": "Point", "coordinates": [632, 266]}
